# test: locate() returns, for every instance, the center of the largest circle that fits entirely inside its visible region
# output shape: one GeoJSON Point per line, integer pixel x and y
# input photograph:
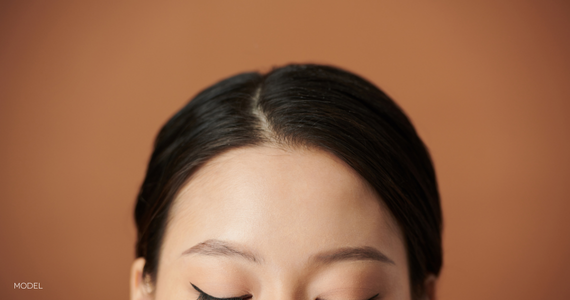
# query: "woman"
{"type": "Point", "coordinates": [304, 183]}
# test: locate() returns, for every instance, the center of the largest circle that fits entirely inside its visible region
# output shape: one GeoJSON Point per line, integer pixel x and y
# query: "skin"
{"type": "Point", "coordinates": [280, 224]}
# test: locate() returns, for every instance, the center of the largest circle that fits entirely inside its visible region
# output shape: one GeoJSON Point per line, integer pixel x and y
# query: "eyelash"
{"type": "Point", "coordinates": [204, 296]}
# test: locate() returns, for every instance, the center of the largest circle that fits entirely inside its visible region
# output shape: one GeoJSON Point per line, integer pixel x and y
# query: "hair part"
{"type": "Point", "coordinates": [300, 105]}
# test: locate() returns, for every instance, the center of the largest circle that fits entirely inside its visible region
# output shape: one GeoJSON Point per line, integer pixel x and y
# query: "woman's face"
{"type": "Point", "coordinates": [276, 224]}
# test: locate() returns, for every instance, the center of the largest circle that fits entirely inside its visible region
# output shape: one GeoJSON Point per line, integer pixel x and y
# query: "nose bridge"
{"type": "Point", "coordinates": [283, 287]}
{"type": "Point", "coordinates": [283, 293]}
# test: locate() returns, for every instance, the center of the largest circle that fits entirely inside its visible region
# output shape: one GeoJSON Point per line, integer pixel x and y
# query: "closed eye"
{"type": "Point", "coordinates": [204, 296]}
{"type": "Point", "coordinates": [374, 297]}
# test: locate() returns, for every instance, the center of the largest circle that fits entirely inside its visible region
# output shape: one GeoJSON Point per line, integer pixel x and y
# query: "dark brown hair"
{"type": "Point", "coordinates": [310, 105]}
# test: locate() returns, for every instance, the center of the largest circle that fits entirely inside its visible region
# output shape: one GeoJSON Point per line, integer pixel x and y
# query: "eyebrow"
{"type": "Point", "coordinates": [214, 247]}
{"type": "Point", "coordinates": [221, 248]}
{"type": "Point", "coordinates": [352, 253]}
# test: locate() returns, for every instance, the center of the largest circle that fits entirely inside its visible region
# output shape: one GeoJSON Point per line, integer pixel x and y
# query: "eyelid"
{"type": "Point", "coordinates": [207, 296]}
{"type": "Point", "coordinates": [374, 297]}
{"type": "Point", "coordinates": [204, 296]}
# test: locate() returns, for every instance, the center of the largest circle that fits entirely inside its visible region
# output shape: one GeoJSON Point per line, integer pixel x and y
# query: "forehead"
{"type": "Point", "coordinates": [272, 199]}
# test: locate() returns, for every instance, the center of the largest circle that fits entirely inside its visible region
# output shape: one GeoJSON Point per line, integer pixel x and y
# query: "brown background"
{"type": "Point", "coordinates": [84, 87]}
